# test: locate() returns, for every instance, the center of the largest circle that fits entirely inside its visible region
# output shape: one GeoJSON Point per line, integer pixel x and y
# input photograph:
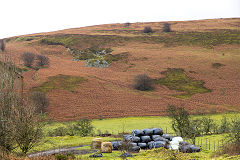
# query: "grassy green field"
{"type": "Point", "coordinates": [127, 124]}
{"type": "Point", "coordinates": [209, 144]}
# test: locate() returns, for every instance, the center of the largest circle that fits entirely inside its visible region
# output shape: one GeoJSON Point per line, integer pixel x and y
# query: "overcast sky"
{"type": "Point", "coordinates": [18, 17]}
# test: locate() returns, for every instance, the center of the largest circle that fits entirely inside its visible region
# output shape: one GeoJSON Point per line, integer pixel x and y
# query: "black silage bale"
{"type": "Point", "coordinates": [148, 132]}
{"type": "Point", "coordinates": [127, 137]}
{"type": "Point", "coordinates": [136, 139]}
{"type": "Point", "coordinates": [155, 136]}
{"type": "Point", "coordinates": [157, 131]}
{"type": "Point", "coordinates": [142, 145]}
{"type": "Point", "coordinates": [167, 136]}
{"type": "Point", "coordinates": [159, 144]}
{"type": "Point", "coordinates": [160, 139]}
{"type": "Point", "coordinates": [116, 144]}
{"type": "Point", "coordinates": [134, 149]}
{"type": "Point", "coordinates": [133, 144]}
{"type": "Point", "coordinates": [195, 148]}
{"type": "Point", "coordinates": [145, 139]}
{"type": "Point", "coordinates": [189, 149]}
{"type": "Point", "coordinates": [150, 145]}
{"type": "Point", "coordinates": [183, 143]}
{"type": "Point", "coordinates": [137, 132]}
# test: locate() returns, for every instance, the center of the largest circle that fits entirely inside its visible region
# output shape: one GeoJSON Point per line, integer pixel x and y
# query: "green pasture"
{"type": "Point", "coordinates": [127, 124]}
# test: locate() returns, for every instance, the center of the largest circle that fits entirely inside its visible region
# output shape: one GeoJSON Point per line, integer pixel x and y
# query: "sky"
{"type": "Point", "coordinates": [19, 17]}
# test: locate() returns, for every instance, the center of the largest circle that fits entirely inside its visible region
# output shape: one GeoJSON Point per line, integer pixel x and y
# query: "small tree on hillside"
{"type": "Point", "coordinates": [28, 59]}
{"type": "Point", "coordinates": [2, 45]}
{"type": "Point", "coordinates": [180, 119]}
{"type": "Point", "coordinates": [42, 61]}
{"type": "Point", "coordinates": [85, 127]}
{"type": "Point", "coordinates": [143, 82]}
{"type": "Point", "coordinates": [166, 27]}
{"type": "Point", "coordinates": [147, 30]}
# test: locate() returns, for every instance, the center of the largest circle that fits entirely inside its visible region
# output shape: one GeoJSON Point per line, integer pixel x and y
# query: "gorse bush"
{"type": "Point", "coordinates": [28, 59]}
{"type": "Point", "coordinates": [42, 61]}
{"type": "Point", "coordinates": [147, 30]}
{"type": "Point", "coordinates": [143, 82]}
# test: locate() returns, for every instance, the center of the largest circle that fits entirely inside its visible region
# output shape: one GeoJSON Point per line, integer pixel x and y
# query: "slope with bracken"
{"type": "Point", "coordinates": [195, 65]}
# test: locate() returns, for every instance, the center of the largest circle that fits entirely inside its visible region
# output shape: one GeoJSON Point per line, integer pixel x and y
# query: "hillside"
{"type": "Point", "coordinates": [195, 65]}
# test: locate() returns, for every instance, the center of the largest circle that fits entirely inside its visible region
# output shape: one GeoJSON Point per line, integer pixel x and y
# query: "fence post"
{"type": "Point", "coordinates": [214, 145]}
{"type": "Point", "coordinates": [209, 144]}
{"type": "Point", "coordinates": [206, 143]}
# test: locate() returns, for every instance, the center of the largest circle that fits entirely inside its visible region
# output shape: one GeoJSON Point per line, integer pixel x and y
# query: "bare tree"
{"type": "Point", "coordinates": [28, 59]}
{"type": "Point", "coordinates": [42, 60]}
{"type": "Point", "coordinates": [27, 126]}
{"type": "Point", "coordinates": [19, 123]}
{"type": "Point", "coordinates": [8, 100]}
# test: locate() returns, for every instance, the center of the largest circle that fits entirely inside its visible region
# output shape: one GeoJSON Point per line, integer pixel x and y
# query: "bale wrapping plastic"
{"type": "Point", "coordinates": [127, 137]}
{"type": "Point", "coordinates": [134, 149]}
{"type": "Point", "coordinates": [137, 132]}
{"type": "Point", "coordinates": [148, 132]}
{"type": "Point", "coordinates": [145, 139]}
{"type": "Point", "coordinates": [167, 136]}
{"type": "Point", "coordinates": [96, 143]}
{"type": "Point", "coordinates": [157, 131]}
{"type": "Point", "coordinates": [174, 144]}
{"type": "Point", "coordinates": [106, 147]}
{"type": "Point", "coordinates": [142, 145]}
{"type": "Point", "coordinates": [116, 144]}
{"type": "Point", "coordinates": [160, 139]}
{"type": "Point", "coordinates": [136, 139]}
{"type": "Point", "coordinates": [189, 149]}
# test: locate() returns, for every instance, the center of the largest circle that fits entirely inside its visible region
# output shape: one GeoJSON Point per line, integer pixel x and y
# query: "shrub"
{"type": "Point", "coordinates": [180, 119]}
{"type": "Point", "coordinates": [143, 82]}
{"type": "Point", "coordinates": [28, 59]}
{"type": "Point", "coordinates": [85, 127]}
{"type": "Point", "coordinates": [166, 27]}
{"type": "Point", "coordinates": [208, 125]}
{"type": "Point", "coordinates": [40, 100]}
{"type": "Point", "coordinates": [234, 131]}
{"type": "Point", "coordinates": [2, 45]}
{"type": "Point", "coordinates": [147, 30]}
{"type": "Point", "coordinates": [42, 61]}
{"type": "Point", "coordinates": [224, 126]}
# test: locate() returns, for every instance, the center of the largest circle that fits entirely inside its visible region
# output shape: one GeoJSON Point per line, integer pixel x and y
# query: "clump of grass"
{"type": "Point", "coordinates": [176, 79]}
{"type": "Point", "coordinates": [62, 82]}
{"type": "Point", "coordinates": [217, 65]}
{"type": "Point", "coordinates": [20, 39]}
{"type": "Point", "coordinates": [116, 57]}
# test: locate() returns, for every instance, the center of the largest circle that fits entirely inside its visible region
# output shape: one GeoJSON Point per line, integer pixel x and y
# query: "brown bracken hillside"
{"type": "Point", "coordinates": [197, 65]}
